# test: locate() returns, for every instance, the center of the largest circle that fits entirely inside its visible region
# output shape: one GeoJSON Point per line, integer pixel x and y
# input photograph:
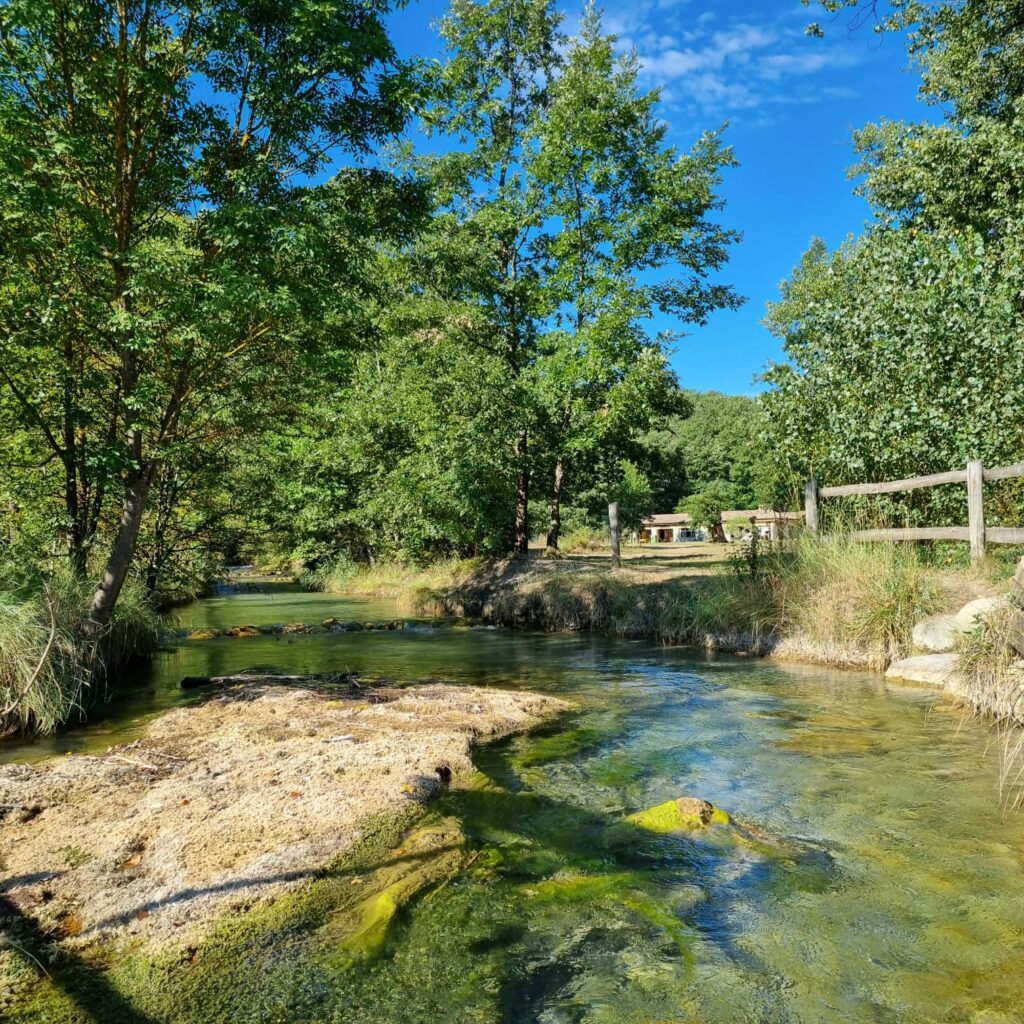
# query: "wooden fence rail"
{"type": "Point", "coordinates": [975, 475]}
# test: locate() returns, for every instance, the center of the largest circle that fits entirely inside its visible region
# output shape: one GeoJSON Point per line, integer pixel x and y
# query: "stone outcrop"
{"type": "Point", "coordinates": [975, 613]}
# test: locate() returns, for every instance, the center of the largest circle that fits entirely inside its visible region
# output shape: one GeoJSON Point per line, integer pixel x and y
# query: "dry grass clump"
{"type": "Point", "coordinates": [846, 595]}
{"type": "Point", "coordinates": [993, 688]}
{"type": "Point", "coordinates": [51, 655]}
{"type": "Point", "coordinates": [42, 666]}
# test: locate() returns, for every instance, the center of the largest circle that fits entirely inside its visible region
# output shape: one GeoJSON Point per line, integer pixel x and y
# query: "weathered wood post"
{"type": "Point", "coordinates": [976, 508]}
{"type": "Point", "coordinates": [613, 526]}
{"type": "Point", "coordinates": [811, 505]}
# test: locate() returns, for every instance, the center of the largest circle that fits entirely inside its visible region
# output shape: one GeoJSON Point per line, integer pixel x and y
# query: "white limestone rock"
{"type": "Point", "coordinates": [936, 634]}
{"type": "Point", "coordinates": [974, 613]}
{"type": "Point", "coordinates": [939, 670]}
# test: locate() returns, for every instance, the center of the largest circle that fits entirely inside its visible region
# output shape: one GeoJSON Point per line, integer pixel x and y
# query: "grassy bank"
{"type": "Point", "coordinates": [826, 599]}
{"type": "Point", "coordinates": [52, 661]}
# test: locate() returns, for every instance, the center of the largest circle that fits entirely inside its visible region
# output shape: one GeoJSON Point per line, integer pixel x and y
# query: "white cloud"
{"type": "Point", "coordinates": [719, 65]}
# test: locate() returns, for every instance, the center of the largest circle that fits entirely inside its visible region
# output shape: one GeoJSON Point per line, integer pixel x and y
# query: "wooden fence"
{"type": "Point", "coordinates": [975, 476]}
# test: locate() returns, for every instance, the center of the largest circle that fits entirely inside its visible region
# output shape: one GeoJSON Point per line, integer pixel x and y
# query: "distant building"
{"type": "Point", "coordinates": [671, 528]}
{"type": "Point", "coordinates": [677, 527]}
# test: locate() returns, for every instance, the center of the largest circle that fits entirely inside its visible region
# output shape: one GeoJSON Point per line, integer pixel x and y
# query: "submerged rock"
{"type": "Point", "coordinates": [204, 634]}
{"type": "Point", "coordinates": [244, 631]}
{"type": "Point", "coordinates": [683, 814]}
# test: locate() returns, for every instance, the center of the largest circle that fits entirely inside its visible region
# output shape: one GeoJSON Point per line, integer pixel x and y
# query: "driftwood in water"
{"type": "Point", "coordinates": [268, 678]}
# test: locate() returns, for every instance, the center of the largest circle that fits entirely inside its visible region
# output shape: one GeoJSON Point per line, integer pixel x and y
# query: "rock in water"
{"type": "Point", "coordinates": [683, 814]}
{"type": "Point", "coordinates": [928, 669]}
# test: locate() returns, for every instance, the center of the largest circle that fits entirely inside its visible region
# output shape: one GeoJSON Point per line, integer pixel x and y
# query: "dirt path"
{"type": "Point", "coordinates": [229, 801]}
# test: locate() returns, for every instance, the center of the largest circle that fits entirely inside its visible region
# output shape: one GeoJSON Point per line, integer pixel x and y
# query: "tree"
{"type": "Point", "coordinates": [722, 439]}
{"type": "Point", "coordinates": [164, 255]}
{"type": "Point", "coordinates": [705, 508]}
{"type": "Point", "coordinates": [905, 347]}
{"type": "Point", "coordinates": [626, 233]}
{"type": "Point", "coordinates": [480, 259]}
{"type": "Point", "coordinates": [558, 207]}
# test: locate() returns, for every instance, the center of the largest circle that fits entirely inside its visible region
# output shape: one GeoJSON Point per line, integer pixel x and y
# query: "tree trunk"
{"type": "Point", "coordinates": [522, 529]}
{"type": "Point", "coordinates": [123, 550]}
{"type": "Point", "coordinates": [555, 529]}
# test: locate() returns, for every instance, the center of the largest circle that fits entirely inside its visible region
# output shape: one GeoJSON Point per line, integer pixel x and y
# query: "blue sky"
{"type": "Point", "coordinates": [792, 103]}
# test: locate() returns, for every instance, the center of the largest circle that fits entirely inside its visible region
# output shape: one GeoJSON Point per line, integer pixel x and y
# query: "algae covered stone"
{"type": "Point", "coordinates": [683, 814]}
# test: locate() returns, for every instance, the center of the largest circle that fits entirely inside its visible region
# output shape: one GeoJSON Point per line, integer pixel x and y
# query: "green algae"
{"type": "Point", "coordinates": [426, 857]}
{"type": "Point", "coordinates": [202, 982]}
{"type": "Point", "coordinates": [557, 746]}
{"type": "Point", "coordinates": [685, 814]}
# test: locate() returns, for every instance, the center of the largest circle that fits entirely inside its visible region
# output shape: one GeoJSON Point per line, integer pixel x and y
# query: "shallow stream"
{"type": "Point", "coordinates": [900, 899]}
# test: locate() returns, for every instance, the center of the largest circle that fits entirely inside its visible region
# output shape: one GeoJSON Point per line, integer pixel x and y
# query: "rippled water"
{"type": "Point", "coordinates": [894, 890]}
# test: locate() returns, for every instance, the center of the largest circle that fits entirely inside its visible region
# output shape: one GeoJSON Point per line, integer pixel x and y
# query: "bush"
{"type": "Point", "coordinates": [585, 538]}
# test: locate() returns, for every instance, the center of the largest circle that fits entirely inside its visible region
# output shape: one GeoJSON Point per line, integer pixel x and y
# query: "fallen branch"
{"type": "Point", "coordinates": [268, 679]}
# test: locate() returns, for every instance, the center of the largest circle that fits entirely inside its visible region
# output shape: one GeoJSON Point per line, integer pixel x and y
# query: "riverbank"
{"type": "Point", "coordinates": [826, 601]}
{"type": "Point", "coordinates": [226, 804]}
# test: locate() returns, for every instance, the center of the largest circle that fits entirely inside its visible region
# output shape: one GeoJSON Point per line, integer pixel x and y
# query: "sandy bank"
{"type": "Point", "coordinates": [230, 801]}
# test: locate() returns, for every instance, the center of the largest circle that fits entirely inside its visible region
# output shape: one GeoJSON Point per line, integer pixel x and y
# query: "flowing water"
{"type": "Point", "coordinates": [890, 887]}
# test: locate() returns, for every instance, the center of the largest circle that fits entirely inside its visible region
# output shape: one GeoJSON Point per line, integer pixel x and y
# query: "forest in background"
{"type": "Point", "coordinates": [207, 355]}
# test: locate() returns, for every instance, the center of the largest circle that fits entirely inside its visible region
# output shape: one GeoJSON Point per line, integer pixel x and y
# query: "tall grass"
{"type": "Point", "coordinates": [993, 688]}
{"type": "Point", "coordinates": [858, 600]}
{"type": "Point", "coordinates": [410, 585]}
{"type": "Point", "coordinates": [53, 661]}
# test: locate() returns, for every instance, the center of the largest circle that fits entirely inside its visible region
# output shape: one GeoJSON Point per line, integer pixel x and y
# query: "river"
{"type": "Point", "coordinates": [905, 902]}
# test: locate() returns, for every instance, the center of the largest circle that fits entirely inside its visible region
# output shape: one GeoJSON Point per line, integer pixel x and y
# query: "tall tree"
{"type": "Point", "coordinates": [491, 92]}
{"type": "Point", "coordinates": [626, 233]}
{"type": "Point", "coordinates": [164, 253]}
{"type": "Point", "coordinates": [906, 346]}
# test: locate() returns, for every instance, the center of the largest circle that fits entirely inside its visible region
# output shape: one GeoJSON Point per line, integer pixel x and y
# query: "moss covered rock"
{"type": "Point", "coordinates": [204, 634]}
{"type": "Point", "coordinates": [683, 814]}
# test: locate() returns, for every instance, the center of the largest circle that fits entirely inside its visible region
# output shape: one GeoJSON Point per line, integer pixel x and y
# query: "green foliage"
{"type": "Point", "coordinates": [705, 508]}
{"type": "Point", "coordinates": [905, 348]}
{"type": "Point", "coordinates": [624, 213]}
{"type": "Point", "coordinates": [506, 341]}
{"type": "Point", "coordinates": [721, 441]}
{"type": "Point", "coordinates": [166, 264]}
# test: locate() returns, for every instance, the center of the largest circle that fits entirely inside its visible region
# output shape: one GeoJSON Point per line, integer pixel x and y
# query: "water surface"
{"type": "Point", "coordinates": [898, 895]}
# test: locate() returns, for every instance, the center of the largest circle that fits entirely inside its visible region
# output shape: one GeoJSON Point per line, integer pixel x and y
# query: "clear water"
{"type": "Point", "coordinates": [898, 895]}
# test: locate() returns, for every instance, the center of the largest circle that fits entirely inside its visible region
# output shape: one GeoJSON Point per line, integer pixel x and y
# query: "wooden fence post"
{"type": "Point", "coordinates": [811, 505]}
{"type": "Point", "coordinates": [976, 508]}
{"type": "Point", "coordinates": [613, 526]}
